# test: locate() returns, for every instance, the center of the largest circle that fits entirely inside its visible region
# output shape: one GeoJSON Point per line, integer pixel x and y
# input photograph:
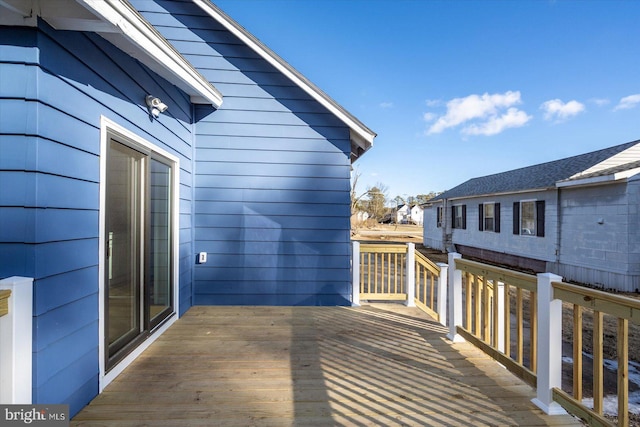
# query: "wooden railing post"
{"type": "Point", "coordinates": [549, 345]}
{"type": "Point", "coordinates": [16, 336]}
{"type": "Point", "coordinates": [443, 279]}
{"type": "Point", "coordinates": [410, 284]}
{"type": "Point", "coordinates": [454, 298]}
{"type": "Point", "coordinates": [355, 274]}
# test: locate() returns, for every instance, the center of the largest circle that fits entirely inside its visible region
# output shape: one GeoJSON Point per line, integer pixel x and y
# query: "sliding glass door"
{"type": "Point", "coordinates": [138, 253]}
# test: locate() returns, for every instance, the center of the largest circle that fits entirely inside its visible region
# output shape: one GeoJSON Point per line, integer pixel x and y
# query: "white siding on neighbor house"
{"type": "Point", "coordinates": [541, 248]}
{"type": "Point", "coordinates": [417, 215]}
{"type": "Point", "coordinates": [599, 236]}
{"type": "Point", "coordinates": [431, 233]}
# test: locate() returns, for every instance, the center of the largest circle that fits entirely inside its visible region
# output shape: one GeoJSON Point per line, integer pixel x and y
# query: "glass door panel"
{"type": "Point", "coordinates": [159, 290]}
{"type": "Point", "coordinates": [123, 252]}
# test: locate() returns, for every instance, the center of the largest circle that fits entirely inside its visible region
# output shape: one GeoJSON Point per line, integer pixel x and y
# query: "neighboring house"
{"type": "Point", "coordinates": [577, 217]}
{"type": "Point", "coordinates": [107, 196]}
{"type": "Point", "coordinates": [417, 214]}
{"type": "Point", "coordinates": [359, 217]}
{"type": "Point", "coordinates": [403, 213]}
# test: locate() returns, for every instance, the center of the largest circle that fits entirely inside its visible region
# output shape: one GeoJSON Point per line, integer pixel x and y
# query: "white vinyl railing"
{"type": "Point", "coordinates": [16, 326]}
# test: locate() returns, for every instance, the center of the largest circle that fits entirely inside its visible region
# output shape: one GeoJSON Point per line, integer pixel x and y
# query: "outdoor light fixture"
{"type": "Point", "coordinates": [156, 107]}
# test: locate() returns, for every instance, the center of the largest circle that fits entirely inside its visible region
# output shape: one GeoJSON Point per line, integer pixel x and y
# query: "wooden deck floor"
{"type": "Point", "coordinates": [378, 365]}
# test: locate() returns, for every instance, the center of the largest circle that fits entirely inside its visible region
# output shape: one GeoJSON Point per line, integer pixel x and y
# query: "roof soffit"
{"type": "Point", "coordinates": [119, 23]}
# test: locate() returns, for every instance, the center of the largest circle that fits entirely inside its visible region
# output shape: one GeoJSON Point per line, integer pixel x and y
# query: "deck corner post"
{"type": "Point", "coordinates": [549, 345]}
{"type": "Point", "coordinates": [441, 305]}
{"type": "Point", "coordinates": [355, 274]}
{"type": "Point", "coordinates": [454, 294]}
{"type": "Point", "coordinates": [16, 352]}
{"type": "Point", "coordinates": [411, 275]}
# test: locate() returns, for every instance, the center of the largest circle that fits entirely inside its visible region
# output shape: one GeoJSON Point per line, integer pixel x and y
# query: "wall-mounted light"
{"type": "Point", "coordinates": [156, 107]}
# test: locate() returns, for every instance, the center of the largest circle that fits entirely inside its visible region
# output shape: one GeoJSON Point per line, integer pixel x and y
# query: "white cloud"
{"type": "Point", "coordinates": [600, 102]}
{"type": "Point", "coordinates": [386, 105]}
{"type": "Point", "coordinates": [628, 102]}
{"type": "Point", "coordinates": [486, 112]}
{"type": "Point", "coordinates": [429, 117]}
{"type": "Point", "coordinates": [557, 110]}
{"type": "Point", "coordinates": [513, 118]}
{"type": "Point", "coordinates": [433, 102]}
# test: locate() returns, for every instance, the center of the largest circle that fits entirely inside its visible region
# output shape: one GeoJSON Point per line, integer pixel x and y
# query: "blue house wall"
{"type": "Point", "coordinates": [54, 87]}
{"type": "Point", "coordinates": [264, 181]}
{"type": "Point", "coordinates": [272, 174]}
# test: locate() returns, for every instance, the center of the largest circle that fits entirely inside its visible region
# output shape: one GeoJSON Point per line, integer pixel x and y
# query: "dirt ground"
{"type": "Point", "coordinates": [412, 233]}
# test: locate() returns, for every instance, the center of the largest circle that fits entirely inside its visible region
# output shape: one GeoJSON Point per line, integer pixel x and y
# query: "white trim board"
{"type": "Point", "coordinates": [106, 126]}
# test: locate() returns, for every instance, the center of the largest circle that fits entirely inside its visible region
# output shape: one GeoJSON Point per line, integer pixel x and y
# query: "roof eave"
{"type": "Point", "coordinates": [361, 136]}
{"type": "Point", "coordinates": [133, 34]}
{"type": "Point", "coordinates": [598, 180]}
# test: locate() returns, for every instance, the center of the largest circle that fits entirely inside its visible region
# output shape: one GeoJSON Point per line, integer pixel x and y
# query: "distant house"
{"type": "Point", "coordinates": [403, 212]}
{"type": "Point", "coordinates": [577, 217]}
{"type": "Point", "coordinates": [135, 135]}
{"type": "Point", "coordinates": [416, 216]}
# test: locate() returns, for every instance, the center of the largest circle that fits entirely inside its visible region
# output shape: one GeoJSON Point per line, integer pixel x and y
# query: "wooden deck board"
{"type": "Point", "coordinates": [381, 364]}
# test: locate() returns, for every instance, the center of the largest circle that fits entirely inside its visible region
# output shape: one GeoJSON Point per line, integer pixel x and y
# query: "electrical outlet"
{"type": "Point", "coordinates": [202, 258]}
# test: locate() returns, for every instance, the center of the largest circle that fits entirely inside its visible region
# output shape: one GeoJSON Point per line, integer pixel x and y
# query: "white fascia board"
{"type": "Point", "coordinates": [598, 180]}
{"type": "Point", "coordinates": [505, 193]}
{"type": "Point", "coordinates": [142, 34]}
{"type": "Point", "coordinates": [364, 134]}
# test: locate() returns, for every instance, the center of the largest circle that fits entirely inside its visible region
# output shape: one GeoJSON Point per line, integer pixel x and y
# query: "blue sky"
{"type": "Point", "coordinates": [460, 89]}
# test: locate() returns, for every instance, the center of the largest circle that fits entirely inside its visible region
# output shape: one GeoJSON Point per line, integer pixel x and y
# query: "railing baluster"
{"type": "Point", "coordinates": [597, 363]}
{"type": "Point", "coordinates": [623, 372]}
{"type": "Point", "coordinates": [477, 299]}
{"type": "Point", "coordinates": [486, 327]}
{"type": "Point", "coordinates": [519, 327]}
{"type": "Point", "coordinates": [507, 319]}
{"type": "Point", "coordinates": [468, 307]}
{"type": "Point", "coordinates": [577, 352]}
{"type": "Point", "coordinates": [495, 315]}
{"type": "Point", "coordinates": [533, 331]}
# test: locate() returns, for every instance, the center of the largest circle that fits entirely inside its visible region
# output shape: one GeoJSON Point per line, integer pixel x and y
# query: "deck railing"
{"type": "Point", "coordinates": [622, 310]}
{"type": "Point", "coordinates": [491, 307]}
{"type": "Point", "coordinates": [16, 329]}
{"type": "Point", "coordinates": [398, 272]}
{"type": "Point", "coordinates": [491, 297]}
{"type": "Point", "coordinates": [515, 318]}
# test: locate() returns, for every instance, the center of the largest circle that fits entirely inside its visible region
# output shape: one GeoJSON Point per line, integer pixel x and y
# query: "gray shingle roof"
{"type": "Point", "coordinates": [541, 176]}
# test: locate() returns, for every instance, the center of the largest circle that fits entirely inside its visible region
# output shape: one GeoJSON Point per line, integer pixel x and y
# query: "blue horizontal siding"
{"type": "Point", "coordinates": [268, 195]}
{"type": "Point", "coordinates": [50, 224]}
{"type": "Point", "coordinates": [282, 183]}
{"type": "Point", "coordinates": [309, 236]}
{"type": "Point", "coordinates": [66, 288]}
{"type": "Point", "coordinates": [19, 45]}
{"type": "Point", "coordinates": [306, 171]}
{"type": "Point", "coordinates": [74, 385]}
{"type": "Point", "coordinates": [267, 248]}
{"type": "Point", "coordinates": [277, 219]}
{"type": "Point", "coordinates": [18, 80]}
{"type": "Point", "coordinates": [272, 175]}
{"type": "Point", "coordinates": [299, 260]}
{"type": "Point", "coordinates": [55, 86]}
{"type": "Point", "coordinates": [282, 157]}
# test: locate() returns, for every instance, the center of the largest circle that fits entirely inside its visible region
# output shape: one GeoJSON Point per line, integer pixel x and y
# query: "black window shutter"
{"type": "Point", "coordinates": [464, 217]}
{"type": "Point", "coordinates": [438, 216]}
{"type": "Point", "coordinates": [516, 217]}
{"type": "Point", "coordinates": [480, 217]}
{"type": "Point", "coordinates": [453, 217]}
{"type": "Point", "coordinates": [540, 218]}
{"type": "Point", "coordinates": [496, 215]}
